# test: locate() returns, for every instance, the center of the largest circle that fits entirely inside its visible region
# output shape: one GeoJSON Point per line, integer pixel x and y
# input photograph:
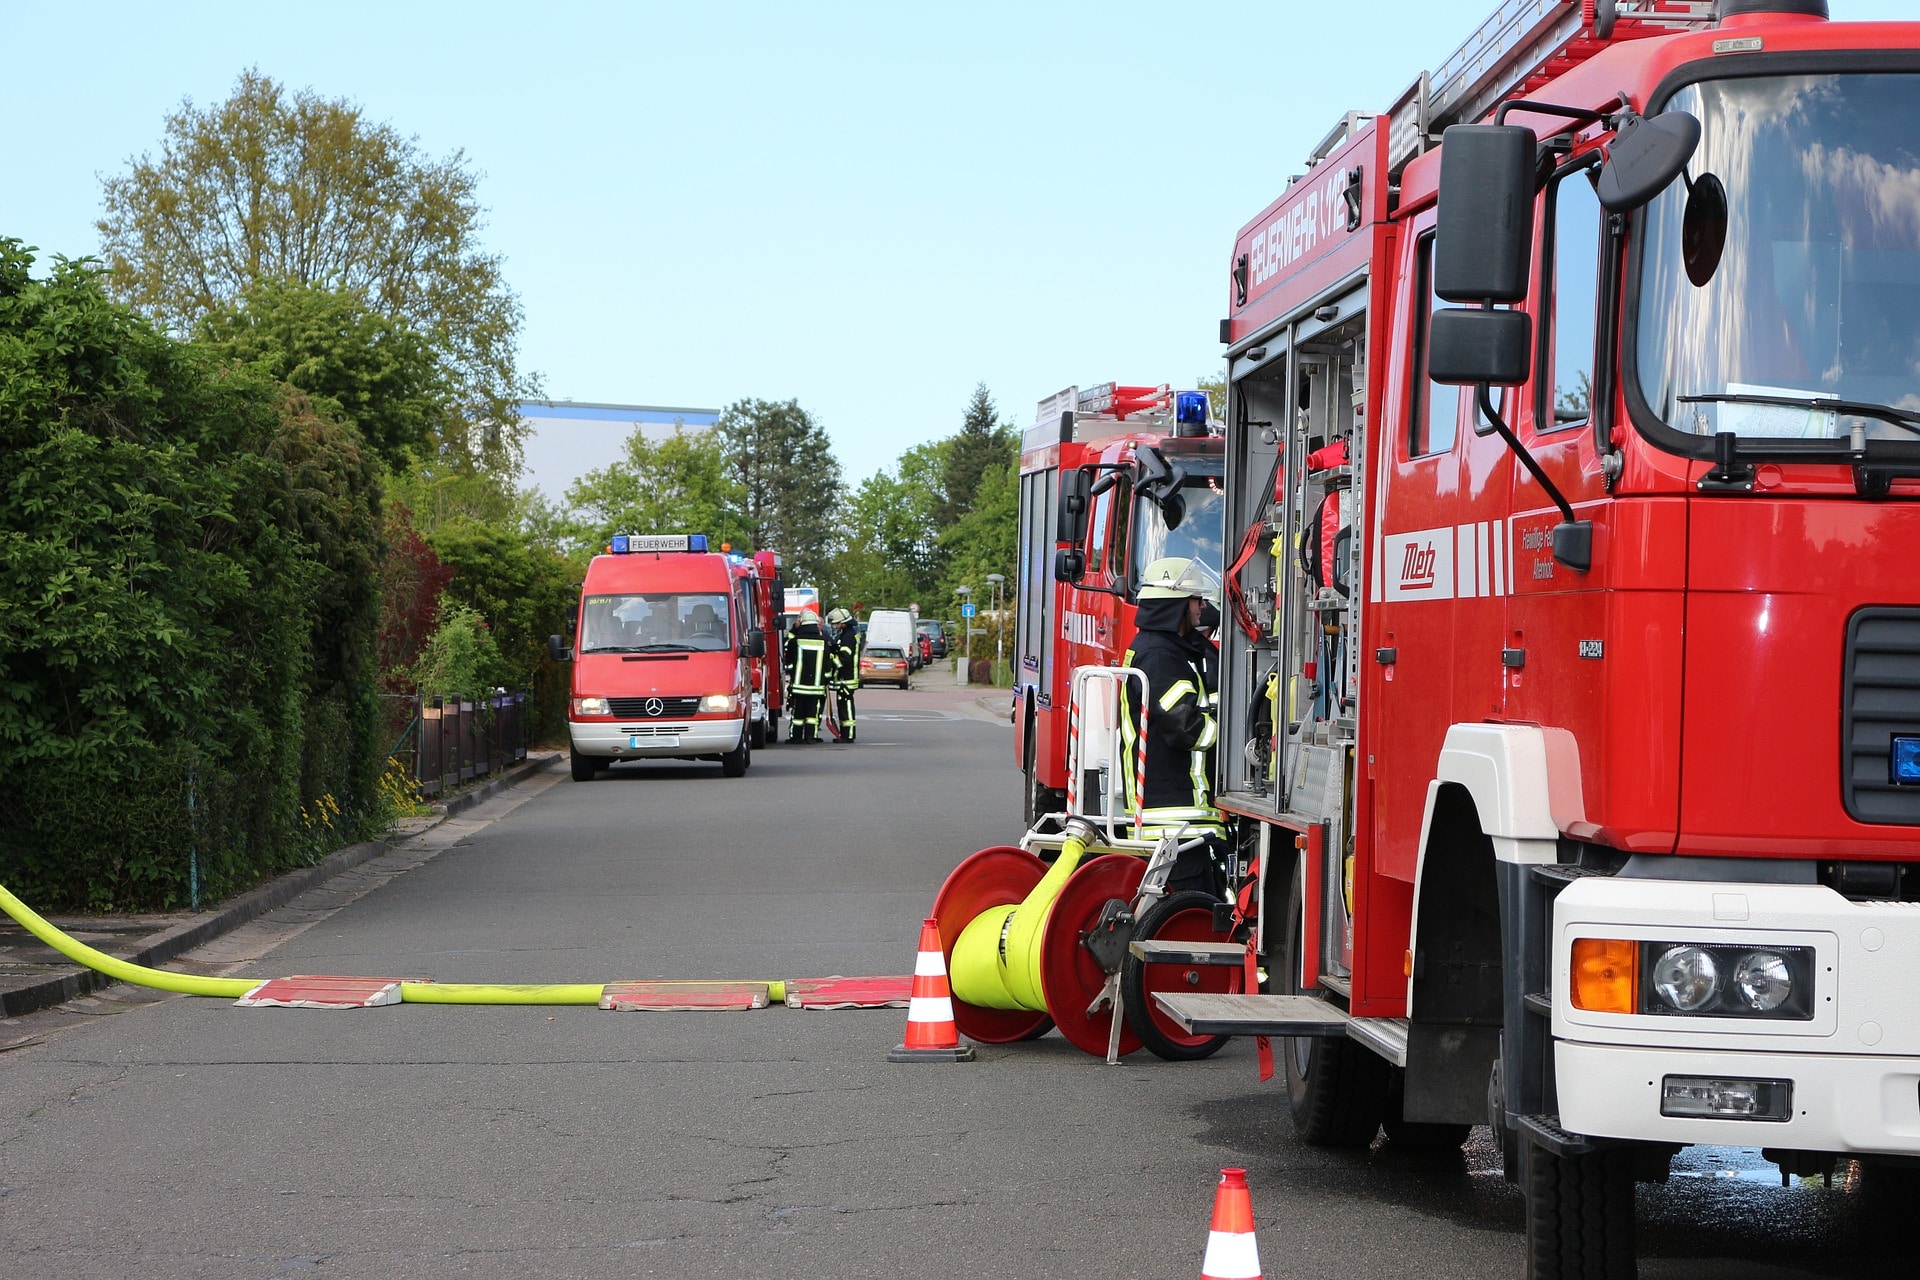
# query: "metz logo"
{"type": "Point", "coordinates": [1416, 567]}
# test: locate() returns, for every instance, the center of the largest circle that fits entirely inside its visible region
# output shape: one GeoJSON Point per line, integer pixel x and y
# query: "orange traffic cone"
{"type": "Point", "coordinates": [931, 1035]}
{"type": "Point", "coordinates": [1232, 1252]}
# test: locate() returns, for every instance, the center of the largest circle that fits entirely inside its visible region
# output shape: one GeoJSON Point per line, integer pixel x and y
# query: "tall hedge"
{"type": "Point", "coordinates": [187, 557]}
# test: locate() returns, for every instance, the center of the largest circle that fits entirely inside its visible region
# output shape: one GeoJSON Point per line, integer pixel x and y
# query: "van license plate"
{"type": "Point", "coordinates": [635, 741]}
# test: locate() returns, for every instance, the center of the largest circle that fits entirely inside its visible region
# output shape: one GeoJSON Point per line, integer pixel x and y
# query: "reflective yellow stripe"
{"type": "Point", "coordinates": [1175, 691]}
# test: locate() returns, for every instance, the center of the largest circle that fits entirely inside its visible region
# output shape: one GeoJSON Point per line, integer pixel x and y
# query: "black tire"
{"type": "Point", "coordinates": [773, 728]}
{"type": "Point", "coordinates": [1416, 1135]}
{"type": "Point", "coordinates": [1336, 1089]}
{"type": "Point", "coordinates": [584, 767]}
{"type": "Point", "coordinates": [757, 734]}
{"type": "Point", "coordinates": [1187, 915]}
{"type": "Point", "coordinates": [734, 763]}
{"type": "Point", "coordinates": [1579, 1214]}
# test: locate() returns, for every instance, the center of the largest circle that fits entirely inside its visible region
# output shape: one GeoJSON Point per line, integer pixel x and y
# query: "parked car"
{"type": "Point", "coordinates": [935, 632]}
{"type": "Point", "coordinates": [885, 664]}
{"type": "Point", "coordinates": [923, 647]}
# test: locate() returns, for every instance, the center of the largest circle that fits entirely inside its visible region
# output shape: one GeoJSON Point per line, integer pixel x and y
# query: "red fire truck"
{"type": "Point", "coordinates": [1571, 687]}
{"type": "Point", "coordinates": [765, 593]}
{"type": "Point", "coordinates": [1112, 478]}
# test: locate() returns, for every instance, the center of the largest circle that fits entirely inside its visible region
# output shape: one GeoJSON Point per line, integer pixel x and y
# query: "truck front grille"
{"type": "Point", "coordinates": [1881, 698]}
{"type": "Point", "coordinates": [653, 708]}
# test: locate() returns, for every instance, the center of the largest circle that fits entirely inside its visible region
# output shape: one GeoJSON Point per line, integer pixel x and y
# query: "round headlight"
{"type": "Point", "coordinates": [1763, 980]}
{"type": "Point", "coordinates": [1686, 978]}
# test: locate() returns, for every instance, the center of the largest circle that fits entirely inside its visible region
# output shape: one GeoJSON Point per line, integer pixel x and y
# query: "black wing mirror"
{"type": "Point", "coordinates": [1646, 155]}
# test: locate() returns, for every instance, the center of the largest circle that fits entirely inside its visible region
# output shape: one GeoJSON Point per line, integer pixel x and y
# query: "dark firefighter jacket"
{"type": "Point", "coordinates": [1179, 723]}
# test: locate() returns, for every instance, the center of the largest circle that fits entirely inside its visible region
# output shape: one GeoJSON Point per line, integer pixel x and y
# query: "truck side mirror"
{"type": "Point", "coordinates": [1467, 346]}
{"type": "Point", "coordinates": [1076, 489]}
{"type": "Point", "coordinates": [1484, 247]}
{"type": "Point", "coordinates": [1069, 565]}
{"type": "Point", "coordinates": [756, 643]}
{"type": "Point", "coordinates": [557, 649]}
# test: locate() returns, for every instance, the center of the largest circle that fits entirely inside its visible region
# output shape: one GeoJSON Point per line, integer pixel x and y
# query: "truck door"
{"type": "Point", "coordinates": [1435, 549]}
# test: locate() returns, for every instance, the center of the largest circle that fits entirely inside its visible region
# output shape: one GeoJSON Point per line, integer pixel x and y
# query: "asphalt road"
{"type": "Point", "coordinates": [158, 1136]}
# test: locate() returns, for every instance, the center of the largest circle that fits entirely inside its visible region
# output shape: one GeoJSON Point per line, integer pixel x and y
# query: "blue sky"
{"type": "Point", "coordinates": [869, 208]}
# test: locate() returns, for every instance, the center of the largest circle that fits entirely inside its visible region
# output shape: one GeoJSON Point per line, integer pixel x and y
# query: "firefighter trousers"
{"type": "Point", "coordinates": [843, 708]}
{"type": "Point", "coordinates": [805, 720]}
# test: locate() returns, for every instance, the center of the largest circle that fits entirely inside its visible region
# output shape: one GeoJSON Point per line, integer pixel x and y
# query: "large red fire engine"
{"type": "Point", "coordinates": [1123, 476]}
{"type": "Point", "coordinates": [1571, 684]}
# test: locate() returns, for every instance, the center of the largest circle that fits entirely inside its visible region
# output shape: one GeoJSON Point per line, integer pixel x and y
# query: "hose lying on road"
{"type": "Point", "coordinates": [234, 988]}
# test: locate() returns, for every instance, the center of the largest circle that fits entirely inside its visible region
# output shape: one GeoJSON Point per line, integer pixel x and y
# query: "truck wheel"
{"type": "Point", "coordinates": [757, 734]}
{"type": "Point", "coordinates": [1579, 1214]}
{"type": "Point", "coordinates": [1416, 1135]}
{"type": "Point", "coordinates": [1335, 1088]}
{"type": "Point", "coordinates": [1178, 917]}
{"type": "Point", "coordinates": [773, 728]}
{"type": "Point", "coordinates": [734, 763]}
{"type": "Point", "coordinates": [584, 767]}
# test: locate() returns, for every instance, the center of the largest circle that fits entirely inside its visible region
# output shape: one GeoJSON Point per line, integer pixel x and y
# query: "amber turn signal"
{"type": "Point", "coordinates": [1606, 974]}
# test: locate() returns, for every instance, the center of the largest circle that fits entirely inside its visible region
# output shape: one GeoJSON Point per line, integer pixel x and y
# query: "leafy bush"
{"type": "Point", "coordinates": [186, 620]}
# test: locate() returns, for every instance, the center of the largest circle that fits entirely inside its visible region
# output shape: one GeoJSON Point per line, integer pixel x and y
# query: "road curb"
{"type": "Point", "coordinates": [177, 939]}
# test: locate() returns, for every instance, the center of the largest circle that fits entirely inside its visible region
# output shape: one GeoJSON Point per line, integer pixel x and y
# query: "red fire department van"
{"type": "Point", "coordinates": [1583, 761]}
{"type": "Point", "coordinates": [664, 647]}
{"type": "Point", "coordinates": [1112, 478]}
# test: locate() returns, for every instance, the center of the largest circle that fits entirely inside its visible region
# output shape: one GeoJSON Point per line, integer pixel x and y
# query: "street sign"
{"type": "Point", "coordinates": [966, 610]}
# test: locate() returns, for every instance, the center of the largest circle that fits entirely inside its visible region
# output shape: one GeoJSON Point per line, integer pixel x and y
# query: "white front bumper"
{"type": "Point", "coordinates": [681, 738]}
{"type": "Point", "coordinates": [1855, 1064]}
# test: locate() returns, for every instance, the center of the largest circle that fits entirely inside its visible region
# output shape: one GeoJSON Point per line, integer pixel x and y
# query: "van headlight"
{"type": "Point", "coordinates": [724, 703]}
{"type": "Point", "coordinates": [591, 707]}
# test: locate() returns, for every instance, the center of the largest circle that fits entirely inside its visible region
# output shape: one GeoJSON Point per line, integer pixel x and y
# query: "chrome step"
{"type": "Point", "coordinates": [1385, 1036]}
{"type": "Point", "coordinates": [1223, 1015]}
{"type": "Point", "coordinates": [1160, 951]}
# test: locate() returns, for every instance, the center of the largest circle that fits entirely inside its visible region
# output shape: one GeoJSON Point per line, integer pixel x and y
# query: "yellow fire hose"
{"type": "Point", "coordinates": [234, 988]}
{"type": "Point", "coordinates": [996, 958]}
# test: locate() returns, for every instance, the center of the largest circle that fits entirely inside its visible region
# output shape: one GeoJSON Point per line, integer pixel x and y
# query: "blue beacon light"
{"type": "Point", "coordinates": [1904, 759]}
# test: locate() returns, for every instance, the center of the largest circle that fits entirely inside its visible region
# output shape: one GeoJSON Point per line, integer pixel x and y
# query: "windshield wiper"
{"type": "Point", "coordinates": [1903, 418]}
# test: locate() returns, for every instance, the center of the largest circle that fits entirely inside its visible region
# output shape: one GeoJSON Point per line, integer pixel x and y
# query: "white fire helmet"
{"type": "Point", "coordinates": [1178, 576]}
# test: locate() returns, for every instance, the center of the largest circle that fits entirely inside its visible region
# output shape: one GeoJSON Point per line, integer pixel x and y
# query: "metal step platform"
{"type": "Point", "coordinates": [1229, 955]}
{"type": "Point", "coordinates": [1227, 1015]}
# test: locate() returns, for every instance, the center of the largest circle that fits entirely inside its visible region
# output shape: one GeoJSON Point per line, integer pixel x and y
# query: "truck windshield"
{"type": "Point", "coordinates": [1202, 531]}
{"type": "Point", "coordinates": [655, 622]}
{"type": "Point", "coordinates": [1813, 298]}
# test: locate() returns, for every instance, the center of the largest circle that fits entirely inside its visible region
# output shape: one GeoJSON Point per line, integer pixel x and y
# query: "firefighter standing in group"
{"type": "Point", "coordinates": [805, 659]}
{"type": "Point", "coordinates": [843, 664]}
{"type": "Point", "coordinates": [1170, 650]}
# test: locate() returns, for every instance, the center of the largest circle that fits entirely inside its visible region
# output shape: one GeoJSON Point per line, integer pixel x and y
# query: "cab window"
{"type": "Point", "coordinates": [1573, 298]}
{"type": "Point", "coordinates": [1435, 417]}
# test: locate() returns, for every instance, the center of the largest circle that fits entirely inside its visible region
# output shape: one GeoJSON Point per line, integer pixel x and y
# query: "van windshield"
{"type": "Point", "coordinates": [656, 622]}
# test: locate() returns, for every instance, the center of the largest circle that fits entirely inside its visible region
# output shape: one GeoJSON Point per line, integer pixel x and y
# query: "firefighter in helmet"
{"type": "Point", "coordinates": [806, 664]}
{"type": "Point", "coordinates": [1179, 723]}
{"type": "Point", "coordinates": [843, 666]}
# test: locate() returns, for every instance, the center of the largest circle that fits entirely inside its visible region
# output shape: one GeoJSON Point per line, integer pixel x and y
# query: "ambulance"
{"type": "Point", "coordinates": [664, 645]}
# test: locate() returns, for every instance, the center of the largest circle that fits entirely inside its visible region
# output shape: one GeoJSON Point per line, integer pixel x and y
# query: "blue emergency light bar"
{"type": "Point", "coordinates": [627, 543]}
{"type": "Point", "coordinates": [1904, 760]}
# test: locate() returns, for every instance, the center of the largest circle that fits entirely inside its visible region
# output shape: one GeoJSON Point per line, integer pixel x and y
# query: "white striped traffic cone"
{"type": "Point", "coordinates": [1232, 1251]}
{"type": "Point", "coordinates": [931, 1035]}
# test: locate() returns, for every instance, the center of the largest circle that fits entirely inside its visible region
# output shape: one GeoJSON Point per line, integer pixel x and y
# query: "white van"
{"type": "Point", "coordinates": [891, 629]}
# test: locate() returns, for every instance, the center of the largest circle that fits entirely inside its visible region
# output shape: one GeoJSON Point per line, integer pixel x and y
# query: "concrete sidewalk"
{"type": "Point", "coordinates": [35, 976]}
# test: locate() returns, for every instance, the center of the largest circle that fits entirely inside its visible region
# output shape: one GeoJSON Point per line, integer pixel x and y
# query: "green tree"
{"type": "Point", "coordinates": [981, 444]}
{"type": "Point", "coordinates": [270, 186]}
{"type": "Point", "coordinates": [679, 484]}
{"type": "Point", "coordinates": [524, 592]}
{"type": "Point", "coordinates": [888, 558]}
{"type": "Point", "coordinates": [372, 371]}
{"type": "Point", "coordinates": [783, 462]}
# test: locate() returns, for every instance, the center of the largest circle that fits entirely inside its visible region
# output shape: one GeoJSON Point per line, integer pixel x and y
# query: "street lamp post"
{"type": "Point", "coordinates": [966, 625]}
{"type": "Point", "coordinates": [999, 625]}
